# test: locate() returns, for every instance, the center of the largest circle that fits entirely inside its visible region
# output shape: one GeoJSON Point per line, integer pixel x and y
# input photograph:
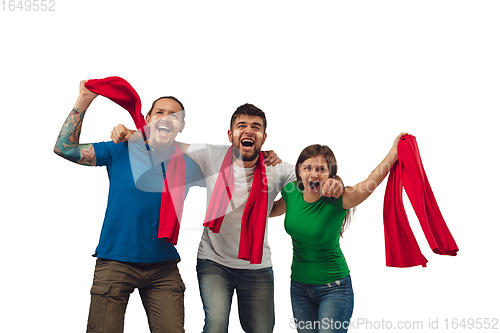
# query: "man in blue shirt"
{"type": "Point", "coordinates": [130, 254]}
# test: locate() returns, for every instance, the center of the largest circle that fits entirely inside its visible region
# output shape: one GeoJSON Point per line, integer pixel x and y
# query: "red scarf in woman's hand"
{"type": "Point", "coordinates": [401, 247]}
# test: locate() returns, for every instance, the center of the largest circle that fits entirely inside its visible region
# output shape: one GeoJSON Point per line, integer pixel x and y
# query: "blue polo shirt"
{"type": "Point", "coordinates": [136, 176]}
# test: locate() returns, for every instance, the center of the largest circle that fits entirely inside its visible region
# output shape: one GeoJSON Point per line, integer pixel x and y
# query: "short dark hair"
{"type": "Point", "coordinates": [248, 110]}
{"type": "Point", "coordinates": [172, 98]}
{"type": "Point", "coordinates": [312, 151]}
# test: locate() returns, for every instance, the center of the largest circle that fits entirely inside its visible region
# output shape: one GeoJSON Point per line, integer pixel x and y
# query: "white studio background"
{"type": "Point", "coordinates": [349, 74]}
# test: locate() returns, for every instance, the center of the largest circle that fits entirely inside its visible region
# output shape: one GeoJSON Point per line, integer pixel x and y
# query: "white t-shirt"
{"type": "Point", "coordinates": [223, 247]}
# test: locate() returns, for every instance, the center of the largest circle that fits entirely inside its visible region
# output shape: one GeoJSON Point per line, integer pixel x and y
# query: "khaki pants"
{"type": "Point", "coordinates": [160, 287]}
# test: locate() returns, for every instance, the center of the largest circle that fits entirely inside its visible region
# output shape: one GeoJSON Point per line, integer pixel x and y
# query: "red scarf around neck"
{"type": "Point", "coordinates": [253, 221]}
{"type": "Point", "coordinates": [172, 200]}
{"type": "Point", "coordinates": [401, 246]}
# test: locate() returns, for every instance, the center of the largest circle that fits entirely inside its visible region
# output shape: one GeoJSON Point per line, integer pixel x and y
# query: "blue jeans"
{"type": "Point", "coordinates": [322, 308]}
{"type": "Point", "coordinates": [255, 291]}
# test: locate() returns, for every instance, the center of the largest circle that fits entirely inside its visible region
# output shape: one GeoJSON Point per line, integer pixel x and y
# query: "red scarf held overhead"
{"type": "Point", "coordinates": [401, 246]}
{"type": "Point", "coordinates": [172, 200]}
{"type": "Point", "coordinates": [122, 93]}
{"type": "Point", "coordinates": [253, 221]}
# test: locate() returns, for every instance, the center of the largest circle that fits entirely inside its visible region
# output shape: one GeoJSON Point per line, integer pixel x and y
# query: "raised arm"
{"type": "Point", "coordinates": [68, 142]}
{"type": "Point", "coordinates": [333, 188]}
{"type": "Point", "coordinates": [355, 195]}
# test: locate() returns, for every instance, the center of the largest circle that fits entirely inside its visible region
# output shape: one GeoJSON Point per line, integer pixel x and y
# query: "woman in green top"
{"type": "Point", "coordinates": [321, 290]}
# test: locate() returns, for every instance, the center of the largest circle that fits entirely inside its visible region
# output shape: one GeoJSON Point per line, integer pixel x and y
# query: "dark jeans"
{"type": "Point", "coordinates": [323, 308]}
{"type": "Point", "coordinates": [160, 287]}
{"type": "Point", "coordinates": [255, 291]}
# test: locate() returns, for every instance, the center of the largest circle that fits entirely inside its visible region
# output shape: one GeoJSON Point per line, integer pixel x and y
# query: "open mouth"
{"type": "Point", "coordinates": [313, 185]}
{"type": "Point", "coordinates": [247, 143]}
{"type": "Point", "coordinates": [164, 130]}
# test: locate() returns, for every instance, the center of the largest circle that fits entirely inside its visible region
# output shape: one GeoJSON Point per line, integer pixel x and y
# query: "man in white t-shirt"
{"type": "Point", "coordinates": [219, 270]}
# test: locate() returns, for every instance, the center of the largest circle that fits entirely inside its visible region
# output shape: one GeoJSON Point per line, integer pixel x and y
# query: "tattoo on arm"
{"type": "Point", "coordinates": [88, 155]}
{"type": "Point", "coordinates": [68, 142]}
{"type": "Point", "coordinates": [74, 125]}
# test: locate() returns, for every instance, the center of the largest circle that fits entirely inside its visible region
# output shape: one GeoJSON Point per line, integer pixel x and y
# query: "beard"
{"type": "Point", "coordinates": [253, 156]}
{"type": "Point", "coordinates": [246, 157]}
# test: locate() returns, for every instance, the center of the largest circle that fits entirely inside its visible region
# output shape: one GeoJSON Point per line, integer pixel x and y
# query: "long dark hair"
{"type": "Point", "coordinates": [327, 153]}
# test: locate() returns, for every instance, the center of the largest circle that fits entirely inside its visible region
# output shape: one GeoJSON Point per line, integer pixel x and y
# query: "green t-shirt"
{"type": "Point", "coordinates": [315, 231]}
